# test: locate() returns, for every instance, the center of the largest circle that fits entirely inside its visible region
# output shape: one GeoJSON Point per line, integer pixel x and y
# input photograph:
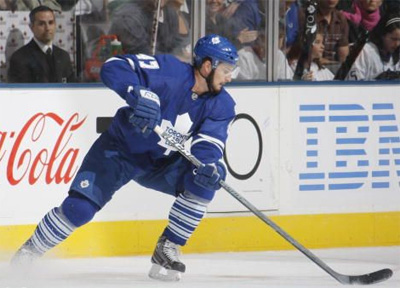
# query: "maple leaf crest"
{"type": "Point", "coordinates": [179, 132]}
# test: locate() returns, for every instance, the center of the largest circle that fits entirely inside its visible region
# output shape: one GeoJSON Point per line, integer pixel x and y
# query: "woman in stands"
{"type": "Point", "coordinates": [379, 59]}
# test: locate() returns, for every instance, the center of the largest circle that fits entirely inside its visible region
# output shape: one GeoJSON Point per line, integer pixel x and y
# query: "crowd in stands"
{"type": "Point", "coordinates": [352, 39]}
{"type": "Point", "coordinates": [360, 39]}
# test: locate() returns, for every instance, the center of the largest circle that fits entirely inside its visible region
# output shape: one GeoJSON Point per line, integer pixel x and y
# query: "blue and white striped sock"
{"type": "Point", "coordinates": [184, 217]}
{"type": "Point", "coordinates": [51, 230]}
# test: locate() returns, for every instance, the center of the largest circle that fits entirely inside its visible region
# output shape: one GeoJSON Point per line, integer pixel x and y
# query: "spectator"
{"type": "Point", "coordinates": [390, 6]}
{"type": "Point", "coordinates": [293, 17]}
{"type": "Point", "coordinates": [27, 5]}
{"type": "Point", "coordinates": [216, 22]}
{"type": "Point", "coordinates": [220, 20]}
{"type": "Point", "coordinates": [173, 35]}
{"type": "Point", "coordinates": [284, 71]}
{"type": "Point", "coordinates": [132, 23]}
{"type": "Point", "coordinates": [247, 14]}
{"type": "Point", "coordinates": [336, 33]}
{"type": "Point", "coordinates": [380, 56]}
{"type": "Point", "coordinates": [364, 15]}
{"type": "Point", "coordinates": [247, 18]}
{"type": "Point", "coordinates": [40, 61]}
{"type": "Point", "coordinates": [316, 71]}
{"type": "Point", "coordinates": [239, 22]}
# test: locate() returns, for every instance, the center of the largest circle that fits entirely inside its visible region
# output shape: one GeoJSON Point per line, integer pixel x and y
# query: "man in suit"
{"type": "Point", "coordinates": [40, 61]}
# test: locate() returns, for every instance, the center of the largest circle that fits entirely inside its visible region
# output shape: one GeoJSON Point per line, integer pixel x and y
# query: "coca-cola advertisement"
{"type": "Point", "coordinates": [42, 150]}
{"type": "Point", "coordinates": [44, 135]}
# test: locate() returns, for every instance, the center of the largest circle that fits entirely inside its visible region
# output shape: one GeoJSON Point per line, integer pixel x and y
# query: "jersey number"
{"type": "Point", "coordinates": [353, 75]}
{"type": "Point", "coordinates": [147, 62]}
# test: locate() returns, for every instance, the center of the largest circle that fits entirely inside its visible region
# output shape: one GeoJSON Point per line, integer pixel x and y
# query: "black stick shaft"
{"type": "Point", "coordinates": [308, 37]}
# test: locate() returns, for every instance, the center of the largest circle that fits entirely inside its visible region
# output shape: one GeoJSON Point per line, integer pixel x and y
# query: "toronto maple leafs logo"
{"type": "Point", "coordinates": [179, 132]}
{"type": "Point", "coordinates": [85, 183]}
{"type": "Point", "coordinates": [311, 9]}
{"type": "Point", "coordinates": [215, 40]}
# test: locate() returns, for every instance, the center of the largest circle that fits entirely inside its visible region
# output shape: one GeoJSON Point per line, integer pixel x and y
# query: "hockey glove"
{"type": "Point", "coordinates": [208, 176]}
{"type": "Point", "coordinates": [146, 110]}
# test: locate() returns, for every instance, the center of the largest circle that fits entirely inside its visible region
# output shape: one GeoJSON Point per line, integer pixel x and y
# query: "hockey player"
{"type": "Point", "coordinates": [186, 101]}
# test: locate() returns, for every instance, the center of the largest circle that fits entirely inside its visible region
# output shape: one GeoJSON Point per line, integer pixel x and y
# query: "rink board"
{"type": "Point", "coordinates": [221, 234]}
{"type": "Point", "coordinates": [323, 160]}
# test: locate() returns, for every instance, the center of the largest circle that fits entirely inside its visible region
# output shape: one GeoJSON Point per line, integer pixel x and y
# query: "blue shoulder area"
{"type": "Point", "coordinates": [172, 66]}
{"type": "Point", "coordinates": [222, 106]}
{"type": "Point", "coordinates": [171, 72]}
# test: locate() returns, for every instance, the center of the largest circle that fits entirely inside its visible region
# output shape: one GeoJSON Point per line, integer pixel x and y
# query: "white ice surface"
{"type": "Point", "coordinates": [284, 269]}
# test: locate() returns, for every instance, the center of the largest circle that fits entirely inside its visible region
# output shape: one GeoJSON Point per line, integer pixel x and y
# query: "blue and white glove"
{"type": "Point", "coordinates": [209, 175]}
{"type": "Point", "coordinates": [146, 110]}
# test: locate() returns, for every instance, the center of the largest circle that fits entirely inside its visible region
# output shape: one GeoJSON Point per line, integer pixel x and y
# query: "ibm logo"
{"type": "Point", "coordinates": [349, 146]}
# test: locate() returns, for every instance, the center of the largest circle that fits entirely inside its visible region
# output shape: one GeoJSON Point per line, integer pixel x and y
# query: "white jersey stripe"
{"type": "Point", "coordinates": [131, 63]}
{"type": "Point", "coordinates": [113, 59]}
{"type": "Point", "coordinates": [51, 230]}
{"type": "Point", "coordinates": [212, 140]}
{"type": "Point", "coordinates": [38, 244]}
{"type": "Point", "coordinates": [191, 205]}
{"type": "Point", "coordinates": [184, 216]}
{"type": "Point", "coordinates": [178, 230]}
{"type": "Point", "coordinates": [187, 220]}
{"type": "Point", "coordinates": [68, 229]}
{"type": "Point", "coordinates": [54, 224]}
{"type": "Point", "coordinates": [205, 140]}
{"type": "Point", "coordinates": [47, 234]}
{"type": "Point", "coordinates": [39, 239]}
{"type": "Point", "coordinates": [191, 216]}
{"type": "Point", "coordinates": [181, 228]}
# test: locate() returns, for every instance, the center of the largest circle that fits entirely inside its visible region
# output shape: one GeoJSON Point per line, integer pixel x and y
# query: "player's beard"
{"type": "Point", "coordinates": [213, 88]}
{"type": "Point", "coordinates": [216, 88]}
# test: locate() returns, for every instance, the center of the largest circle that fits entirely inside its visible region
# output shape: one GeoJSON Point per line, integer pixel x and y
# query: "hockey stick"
{"type": "Point", "coordinates": [364, 279]}
{"type": "Point", "coordinates": [310, 31]}
{"type": "Point", "coordinates": [155, 27]}
{"type": "Point", "coordinates": [351, 58]}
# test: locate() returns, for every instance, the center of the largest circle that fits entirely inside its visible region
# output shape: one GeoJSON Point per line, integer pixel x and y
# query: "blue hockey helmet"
{"type": "Point", "coordinates": [217, 48]}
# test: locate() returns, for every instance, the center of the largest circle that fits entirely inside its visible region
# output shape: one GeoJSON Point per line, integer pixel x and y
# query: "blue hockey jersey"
{"type": "Point", "coordinates": [203, 118]}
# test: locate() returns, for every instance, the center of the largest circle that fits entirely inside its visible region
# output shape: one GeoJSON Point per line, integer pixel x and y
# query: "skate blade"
{"type": "Point", "coordinates": [158, 272]}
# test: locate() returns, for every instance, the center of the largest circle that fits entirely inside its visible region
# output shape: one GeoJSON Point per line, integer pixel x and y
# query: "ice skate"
{"type": "Point", "coordinates": [166, 263]}
{"type": "Point", "coordinates": [25, 256]}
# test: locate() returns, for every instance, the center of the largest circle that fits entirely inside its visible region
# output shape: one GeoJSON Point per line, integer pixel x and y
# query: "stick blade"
{"type": "Point", "coordinates": [367, 279]}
